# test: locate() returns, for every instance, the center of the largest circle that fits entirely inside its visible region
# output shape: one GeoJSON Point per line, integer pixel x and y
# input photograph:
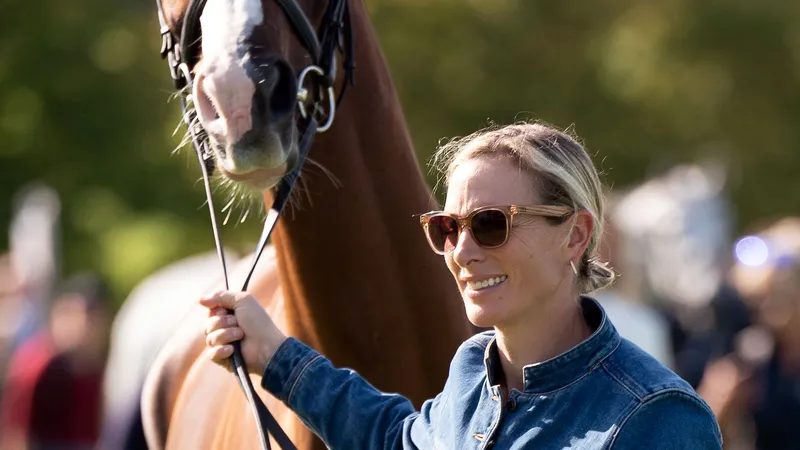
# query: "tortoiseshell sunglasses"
{"type": "Point", "coordinates": [489, 225]}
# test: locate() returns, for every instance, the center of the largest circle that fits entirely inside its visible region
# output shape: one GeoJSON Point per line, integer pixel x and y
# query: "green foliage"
{"type": "Point", "coordinates": [84, 104]}
{"type": "Point", "coordinates": [85, 107]}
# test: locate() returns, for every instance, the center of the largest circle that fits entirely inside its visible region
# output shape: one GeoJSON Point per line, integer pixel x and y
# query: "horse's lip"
{"type": "Point", "coordinates": [256, 176]}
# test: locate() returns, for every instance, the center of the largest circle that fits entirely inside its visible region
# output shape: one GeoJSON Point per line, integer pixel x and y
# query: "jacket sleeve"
{"type": "Point", "coordinates": [341, 407]}
{"type": "Point", "coordinates": [670, 420]}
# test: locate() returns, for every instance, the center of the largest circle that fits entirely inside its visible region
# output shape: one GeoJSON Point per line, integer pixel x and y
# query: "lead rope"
{"type": "Point", "coordinates": [337, 35]}
{"type": "Point", "coordinates": [265, 421]}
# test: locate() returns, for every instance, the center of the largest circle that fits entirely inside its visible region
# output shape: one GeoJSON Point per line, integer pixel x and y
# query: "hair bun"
{"type": "Point", "coordinates": [597, 275]}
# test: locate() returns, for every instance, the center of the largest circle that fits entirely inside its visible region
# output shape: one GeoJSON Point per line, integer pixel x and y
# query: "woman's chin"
{"type": "Point", "coordinates": [483, 317]}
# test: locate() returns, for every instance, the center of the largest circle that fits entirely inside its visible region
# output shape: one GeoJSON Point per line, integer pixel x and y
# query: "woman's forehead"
{"type": "Point", "coordinates": [484, 181]}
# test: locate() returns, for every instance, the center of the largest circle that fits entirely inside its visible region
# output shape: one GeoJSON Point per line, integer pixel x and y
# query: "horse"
{"type": "Point", "coordinates": [351, 274]}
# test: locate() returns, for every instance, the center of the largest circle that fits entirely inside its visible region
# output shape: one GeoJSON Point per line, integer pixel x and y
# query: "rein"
{"type": "Point", "coordinates": [335, 34]}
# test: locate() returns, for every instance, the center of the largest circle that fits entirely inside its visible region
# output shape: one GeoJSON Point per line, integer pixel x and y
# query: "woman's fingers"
{"type": "Point", "coordinates": [220, 354]}
{"type": "Point", "coordinates": [217, 312]}
{"type": "Point", "coordinates": [217, 322]}
{"type": "Point", "coordinates": [224, 336]}
{"type": "Point", "coordinates": [221, 299]}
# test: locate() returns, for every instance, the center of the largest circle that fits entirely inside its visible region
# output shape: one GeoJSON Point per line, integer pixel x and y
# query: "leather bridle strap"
{"type": "Point", "coordinates": [265, 421]}
{"type": "Point", "coordinates": [336, 32]}
{"type": "Point", "coordinates": [191, 32]}
{"type": "Point", "coordinates": [305, 32]}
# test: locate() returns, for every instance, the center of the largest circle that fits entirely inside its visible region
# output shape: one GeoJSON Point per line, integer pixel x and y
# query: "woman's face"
{"type": "Point", "coordinates": [532, 267]}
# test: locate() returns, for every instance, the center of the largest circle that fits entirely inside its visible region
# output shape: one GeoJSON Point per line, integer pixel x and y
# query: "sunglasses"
{"type": "Point", "coordinates": [489, 225]}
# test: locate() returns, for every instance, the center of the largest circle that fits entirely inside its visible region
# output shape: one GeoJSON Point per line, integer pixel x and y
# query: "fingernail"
{"type": "Point", "coordinates": [230, 320]}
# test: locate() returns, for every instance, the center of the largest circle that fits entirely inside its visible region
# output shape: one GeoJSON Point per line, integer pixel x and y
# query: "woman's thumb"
{"type": "Point", "coordinates": [220, 299]}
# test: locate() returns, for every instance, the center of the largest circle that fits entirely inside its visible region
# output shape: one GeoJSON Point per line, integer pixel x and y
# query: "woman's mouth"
{"type": "Point", "coordinates": [480, 286]}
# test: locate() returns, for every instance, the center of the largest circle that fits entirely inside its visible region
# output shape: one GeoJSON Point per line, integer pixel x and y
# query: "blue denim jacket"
{"type": "Point", "coordinates": [604, 393]}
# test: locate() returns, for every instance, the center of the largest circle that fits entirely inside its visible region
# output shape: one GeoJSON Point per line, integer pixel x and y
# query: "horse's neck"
{"type": "Point", "coordinates": [358, 279]}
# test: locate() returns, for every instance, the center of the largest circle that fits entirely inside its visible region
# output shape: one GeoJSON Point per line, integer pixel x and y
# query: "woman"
{"type": "Point", "coordinates": [519, 232]}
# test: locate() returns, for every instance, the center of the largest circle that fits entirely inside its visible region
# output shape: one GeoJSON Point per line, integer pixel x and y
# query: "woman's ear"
{"type": "Point", "coordinates": [580, 234]}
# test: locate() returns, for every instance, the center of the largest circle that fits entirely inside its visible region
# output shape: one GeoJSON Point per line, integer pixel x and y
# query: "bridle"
{"type": "Point", "coordinates": [335, 34]}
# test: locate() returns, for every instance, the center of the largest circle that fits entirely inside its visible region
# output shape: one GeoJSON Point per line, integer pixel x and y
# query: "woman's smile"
{"type": "Point", "coordinates": [481, 286]}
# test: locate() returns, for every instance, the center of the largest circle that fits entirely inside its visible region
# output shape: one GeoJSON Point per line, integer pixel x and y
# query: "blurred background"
{"type": "Point", "coordinates": [690, 108]}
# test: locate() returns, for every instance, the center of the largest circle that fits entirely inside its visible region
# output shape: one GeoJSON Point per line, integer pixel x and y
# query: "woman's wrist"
{"type": "Point", "coordinates": [268, 350]}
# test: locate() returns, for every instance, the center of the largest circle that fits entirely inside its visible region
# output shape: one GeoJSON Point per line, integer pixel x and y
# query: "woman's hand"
{"type": "Point", "coordinates": [259, 335]}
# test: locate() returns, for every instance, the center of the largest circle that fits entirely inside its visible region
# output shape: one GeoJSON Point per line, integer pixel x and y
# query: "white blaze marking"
{"type": "Point", "coordinates": [226, 23]}
{"type": "Point", "coordinates": [225, 26]}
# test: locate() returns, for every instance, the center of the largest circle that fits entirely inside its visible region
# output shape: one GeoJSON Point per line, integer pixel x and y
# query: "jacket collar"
{"type": "Point", "coordinates": [568, 367]}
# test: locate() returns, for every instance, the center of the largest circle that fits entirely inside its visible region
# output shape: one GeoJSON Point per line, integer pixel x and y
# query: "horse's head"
{"type": "Point", "coordinates": [242, 54]}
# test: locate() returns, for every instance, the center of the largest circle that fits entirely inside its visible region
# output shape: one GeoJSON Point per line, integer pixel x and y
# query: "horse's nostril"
{"type": "Point", "coordinates": [276, 86]}
{"type": "Point", "coordinates": [284, 93]}
{"type": "Point", "coordinates": [203, 104]}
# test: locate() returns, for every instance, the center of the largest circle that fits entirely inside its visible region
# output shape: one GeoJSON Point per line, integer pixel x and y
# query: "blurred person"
{"type": "Point", "coordinates": [755, 389]}
{"type": "Point", "coordinates": [34, 255]}
{"type": "Point", "coordinates": [9, 295]}
{"type": "Point", "coordinates": [635, 319]}
{"type": "Point", "coordinates": [53, 388]}
{"type": "Point", "coordinates": [677, 240]}
{"type": "Point", "coordinates": [29, 269]}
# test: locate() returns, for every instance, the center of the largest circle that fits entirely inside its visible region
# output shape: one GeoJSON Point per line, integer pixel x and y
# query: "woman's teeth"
{"type": "Point", "coordinates": [478, 285]}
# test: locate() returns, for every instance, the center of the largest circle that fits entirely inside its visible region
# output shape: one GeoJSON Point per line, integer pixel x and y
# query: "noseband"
{"type": "Point", "coordinates": [335, 34]}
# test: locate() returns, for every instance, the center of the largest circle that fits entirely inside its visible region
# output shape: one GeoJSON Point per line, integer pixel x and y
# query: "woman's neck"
{"type": "Point", "coordinates": [542, 335]}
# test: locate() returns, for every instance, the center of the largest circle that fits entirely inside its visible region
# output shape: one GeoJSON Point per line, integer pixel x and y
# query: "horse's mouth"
{"type": "Point", "coordinates": [257, 179]}
{"type": "Point", "coordinates": [257, 165]}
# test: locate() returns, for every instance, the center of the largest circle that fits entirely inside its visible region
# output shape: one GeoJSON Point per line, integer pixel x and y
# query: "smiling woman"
{"type": "Point", "coordinates": [520, 231]}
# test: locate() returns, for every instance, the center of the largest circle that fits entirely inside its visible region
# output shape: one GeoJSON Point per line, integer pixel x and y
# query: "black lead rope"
{"type": "Point", "coordinates": [265, 421]}
{"type": "Point", "coordinates": [181, 53]}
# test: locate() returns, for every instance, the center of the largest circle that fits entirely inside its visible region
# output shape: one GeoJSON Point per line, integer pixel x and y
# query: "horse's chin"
{"type": "Point", "coordinates": [255, 166]}
{"type": "Point", "coordinates": [260, 179]}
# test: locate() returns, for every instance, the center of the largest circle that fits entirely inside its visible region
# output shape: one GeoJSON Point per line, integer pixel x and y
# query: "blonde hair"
{"type": "Point", "coordinates": [562, 169]}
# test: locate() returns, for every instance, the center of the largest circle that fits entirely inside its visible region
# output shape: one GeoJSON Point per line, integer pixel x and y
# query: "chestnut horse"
{"type": "Point", "coordinates": [351, 274]}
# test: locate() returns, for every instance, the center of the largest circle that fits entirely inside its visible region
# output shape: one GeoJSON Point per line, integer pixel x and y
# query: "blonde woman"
{"type": "Point", "coordinates": [519, 232]}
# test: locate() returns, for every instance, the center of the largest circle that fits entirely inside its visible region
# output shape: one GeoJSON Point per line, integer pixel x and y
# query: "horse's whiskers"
{"type": "Point", "coordinates": [227, 217]}
{"type": "Point", "coordinates": [179, 93]}
{"type": "Point", "coordinates": [295, 202]}
{"type": "Point", "coordinates": [180, 125]}
{"type": "Point", "coordinates": [238, 198]}
{"type": "Point", "coordinates": [302, 191]}
{"type": "Point", "coordinates": [225, 208]}
{"type": "Point", "coordinates": [305, 190]}
{"type": "Point", "coordinates": [336, 182]}
{"type": "Point", "coordinates": [202, 136]}
{"type": "Point", "coordinates": [185, 140]}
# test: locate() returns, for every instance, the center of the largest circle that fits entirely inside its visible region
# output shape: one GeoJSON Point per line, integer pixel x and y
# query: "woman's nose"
{"type": "Point", "coordinates": [466, 250]}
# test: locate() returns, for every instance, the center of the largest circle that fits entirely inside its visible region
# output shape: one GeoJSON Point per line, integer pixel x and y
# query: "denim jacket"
{"type": "Point", "coordinates": [604, 393]}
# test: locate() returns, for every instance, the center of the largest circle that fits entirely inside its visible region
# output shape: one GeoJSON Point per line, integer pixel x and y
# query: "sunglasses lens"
{"type": "Point", "coordinates": [443, 233]}
{"type": "Point", "coordinates": [490, 227]}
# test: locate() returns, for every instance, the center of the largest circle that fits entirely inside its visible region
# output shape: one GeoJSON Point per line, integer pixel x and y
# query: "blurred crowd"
{"type": "Point", "coordinates": [53, 337]}
{"type": "Point", "coordinates": [723, 311]}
